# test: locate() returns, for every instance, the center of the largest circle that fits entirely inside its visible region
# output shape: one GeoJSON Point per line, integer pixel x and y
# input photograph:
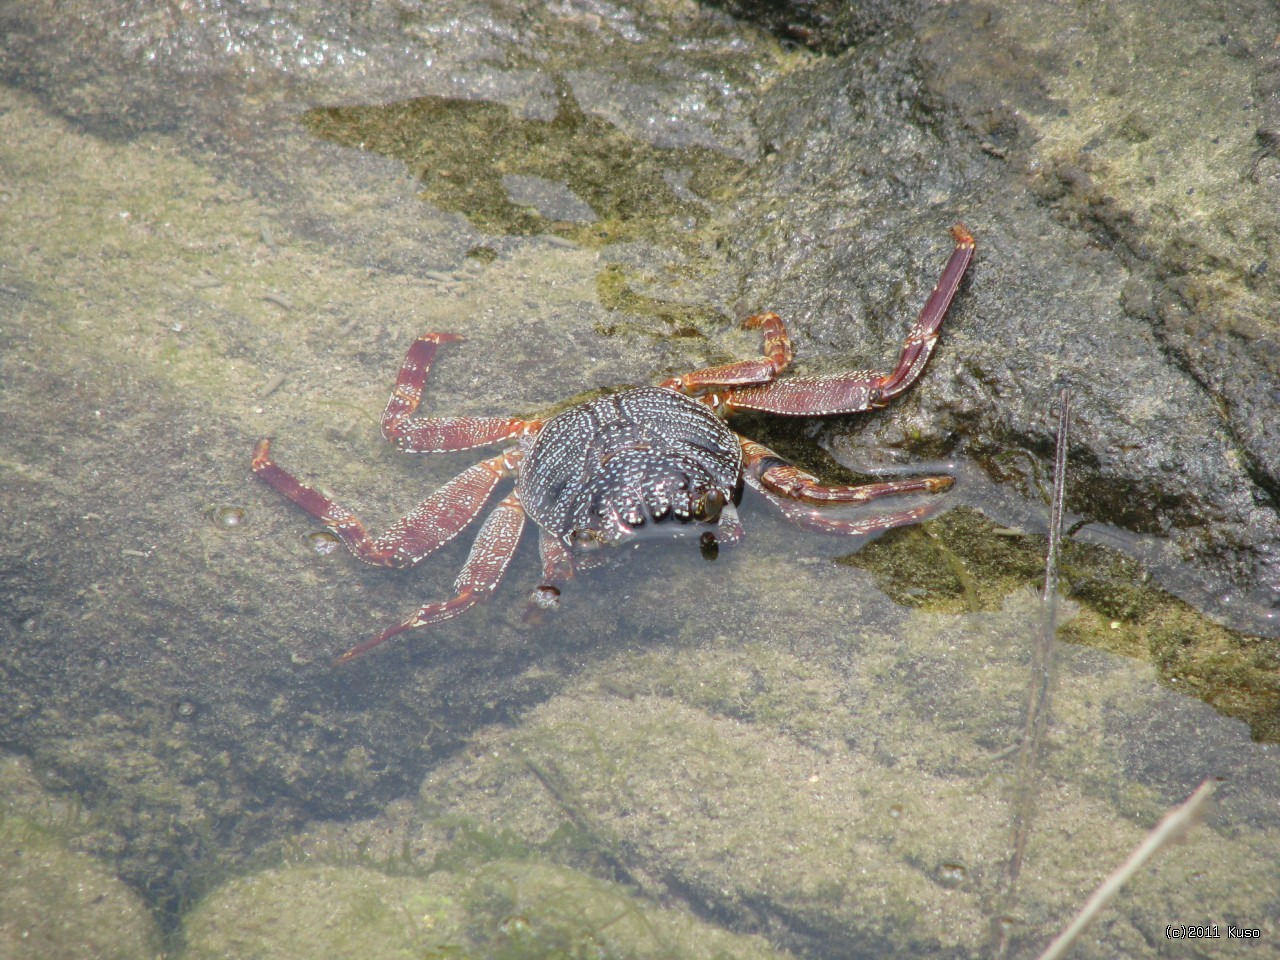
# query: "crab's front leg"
{"type": "Point", "coordinates": [776, 357]}
{"type": "Point", "coordinates": [438, 434]}
{"type": "Point", "coordinates": [861, 390]}
{"type": "Point", "coordinates": [486, 563]}
{"type": "Point", "coordinates": [557, 568]}
{"type": "Point", "coordinates": [811, 519]}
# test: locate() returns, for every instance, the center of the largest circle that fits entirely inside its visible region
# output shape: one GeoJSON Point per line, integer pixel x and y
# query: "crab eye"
{"type": "Point", "coordinates": [584, 538]}
{"type": "Point", "coordinates": [709, 506]}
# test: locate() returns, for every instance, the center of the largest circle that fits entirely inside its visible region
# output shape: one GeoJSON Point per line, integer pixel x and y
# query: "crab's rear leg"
{"type": "Point", "coordinates": [862, 390]}
{"type": "Point", "coordinates": [431, 524]}
{"type": "Point", "coordinates": [438, 434]}
{"type": "Point", "coordinates": [789, 489]}
{"type": "Point", "coordinates": [490, 554]}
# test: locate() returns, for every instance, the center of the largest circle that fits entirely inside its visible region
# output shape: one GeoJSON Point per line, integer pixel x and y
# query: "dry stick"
{"type": "Point", "coordinates": [1042, 661]}
{"type": "Point", "coordinates": [1172, 826]}
{"type": "Point", "coordinates": [1055, 517]}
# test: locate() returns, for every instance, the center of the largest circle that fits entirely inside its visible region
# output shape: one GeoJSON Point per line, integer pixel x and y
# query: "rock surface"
{"type": "Point", "coordinates": [225, 220]}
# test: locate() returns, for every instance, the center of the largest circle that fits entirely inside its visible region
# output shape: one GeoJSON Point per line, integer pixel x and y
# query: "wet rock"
{"type": "Point", "coordinates": [1119, 243]}
{"type": "Point", "coordinates": [178, 238]}
{"type": "Point", "coordinates": [504, 909]}
{"type": "Point", "coordinates": [858, 802]}
{"type": "Point", "coordinates": [55, 902]}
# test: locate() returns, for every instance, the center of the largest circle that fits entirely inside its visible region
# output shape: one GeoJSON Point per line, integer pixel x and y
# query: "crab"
{"type": "Point", "coordinates": [646, 461]}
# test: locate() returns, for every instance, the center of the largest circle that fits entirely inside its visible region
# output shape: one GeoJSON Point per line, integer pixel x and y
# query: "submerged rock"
{"type": "Point", "coordinates": [501, 910]}
{"type": "Point", "coordinates": [57, 903]}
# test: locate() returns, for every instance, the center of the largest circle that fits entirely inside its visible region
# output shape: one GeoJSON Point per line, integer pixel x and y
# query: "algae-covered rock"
{"type": "Point", "coordinates": [871, 799]}
{"type": "Point", "coordinates": [530, 911]}
{"type": "Point", "coordinates": [321, 912]}
{"type": "Point", "coordinates": [55, 902]}
{"type": "Point", "coordinates": [504, 910]}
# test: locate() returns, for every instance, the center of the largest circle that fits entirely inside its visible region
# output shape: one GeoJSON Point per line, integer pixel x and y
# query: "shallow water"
{"type": "Point", "coordinates": [797, 747]}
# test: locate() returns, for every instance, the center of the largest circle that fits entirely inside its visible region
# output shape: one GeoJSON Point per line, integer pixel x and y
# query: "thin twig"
{"type": "Point", "coordinates": [1042, 663]}
{"type": "Point", "coordinates": [1043, 656]}
{"type": "Point", "coordinates": [1059, 494]}
{"type": "Point", "coordinates": [1172, 826]}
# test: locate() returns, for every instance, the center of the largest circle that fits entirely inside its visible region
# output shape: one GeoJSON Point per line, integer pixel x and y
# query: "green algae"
{"type": "Point", "coordinates": [56, 902]}
{"type": "Point", "coordinates": [962, 562]}
{"type": "Point", "coordinates": [324, 912]}
{"type": "Point", "coordinates": [461, 150]}
{"type": "Point", "coordinates": [1236, 673]}
{"type": "Point", "coordinates": [501, 910]}
{"type": "Point", "coordinates": [657, 317]}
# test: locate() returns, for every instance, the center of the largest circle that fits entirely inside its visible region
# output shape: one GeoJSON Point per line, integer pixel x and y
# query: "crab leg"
{"type": "Point", "coordinates": [811, 519]}
{"type": "Point", "coordinates": [861, 390]}
{"type": "Point", "coordinates": [438, 434]}
{"type": "Point", "coordinates": [431, 524]}
{"type": "Point", "coordinates": [490, 554]}
{"type": "Point", "coordinates": [777, 355]}
{"type": "Point", "coordinates": [790, 481]}
{"type": "Point", "coordinates": [729, 527]}
{"type": "Point", "coordinates": [557, 567]}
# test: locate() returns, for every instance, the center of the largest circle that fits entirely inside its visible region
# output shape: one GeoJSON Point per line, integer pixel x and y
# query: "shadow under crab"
{"type": "Point", "coordinates": [649, 461]}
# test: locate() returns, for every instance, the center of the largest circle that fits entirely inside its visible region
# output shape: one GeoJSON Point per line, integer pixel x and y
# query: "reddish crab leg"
{"type": "Point", "coordinates": [811, 519]}
{"type": "Point", "coordinates": [793, 483]}
{"type": "Point", "coordinates": [438, 434]}
{"type": "Point", "coordinates": [923, 335]}
{"type": "Point", "coordinates": [432, 524]}
{"type": "Point", "coordinates": [861, 390]}
{"type": "Point", "coordinates": [495, 544]}
{"type": "Point", "coordinates": [729, 528]}
{"type": "Point", "coordinates": [777, 355]}
{"type": "Point", "coordinates": [557, 568]}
